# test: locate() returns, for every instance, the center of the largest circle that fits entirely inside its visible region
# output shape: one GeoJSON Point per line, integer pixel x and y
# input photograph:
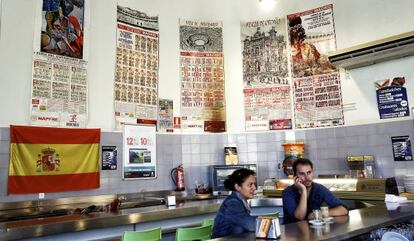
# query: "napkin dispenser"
{"type": "Point", "coordinates": [267, 228]}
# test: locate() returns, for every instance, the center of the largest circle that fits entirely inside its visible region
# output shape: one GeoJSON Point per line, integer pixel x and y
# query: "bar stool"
{"type": "Point", "coordinates": [189, 234]}
{"type": "Point", "coordinates": [208, 221]}
{"type": "Point", "coordinates": [145, 235]}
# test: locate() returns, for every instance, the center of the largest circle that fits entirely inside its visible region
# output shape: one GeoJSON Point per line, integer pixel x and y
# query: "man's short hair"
{"type": "Point", "coordinates": [301, 161]}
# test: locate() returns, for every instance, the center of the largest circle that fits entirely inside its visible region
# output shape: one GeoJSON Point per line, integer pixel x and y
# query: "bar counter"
{"type": "Point", "coordinates": [358, 222]}
{"type": "Point", "coordinates": [77, 226]}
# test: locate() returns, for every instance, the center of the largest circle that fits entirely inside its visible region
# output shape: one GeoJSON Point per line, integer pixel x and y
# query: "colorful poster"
{"type": "Point", "coordinates": [59, 91]}
{"type": "Point", "coordinates": [317, 87]}
{"type": "Point", "coordinates": [401, 148]}
{"type": "Point", "coordinates": [392, 98]}
{"type": "Point", "coordinates": [266, 79]}
{"type": "Point", "coordinates": [165, 116]}
{"type": "Point", "coordinates": [139, 152]}
{"type": "Point", "coordinates": [136, 69]}
{"type": "Point", "coordinates": [202, 77]}
{"type": "Point", "coordinates": [44, 159]}
{"type": "Point", "coordinates": [109, 157]}
{"type": "Point", "coordinates": [62, 27]}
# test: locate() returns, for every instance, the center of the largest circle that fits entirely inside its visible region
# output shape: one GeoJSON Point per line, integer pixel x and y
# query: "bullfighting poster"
{"type": "Point", "coordinates": [59, 95]}
{"type": "Point", "coordinates": [136, 67]}
{"type": "Point", "coordinates": [62, 27]}
{"type": "Point", "coordinates": [59, 88]}
{"type": "Point", "coordinates": [392, 98]}
{"type": "Point", "coordinates": [165, 116]}
{"type": "Point", "coordinates": [202, 76]}
{"type": "Point", "coordinates": [267, 99]}
{"type": "Point", "coordinates": [317, 86]}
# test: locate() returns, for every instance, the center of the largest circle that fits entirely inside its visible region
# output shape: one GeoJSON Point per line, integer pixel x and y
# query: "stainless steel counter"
{"type": "Point", "coordinates": [96, 220]}
{"type": "Point", "coordinates": [358, 222]}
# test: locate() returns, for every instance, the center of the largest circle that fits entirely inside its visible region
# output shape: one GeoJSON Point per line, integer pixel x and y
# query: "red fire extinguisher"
{"type": "Point", "coordinates": [177, 176]}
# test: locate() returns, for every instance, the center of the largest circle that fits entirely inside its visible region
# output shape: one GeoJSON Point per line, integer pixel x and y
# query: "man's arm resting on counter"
{"type": "Point", "coordinates": [338, 211]}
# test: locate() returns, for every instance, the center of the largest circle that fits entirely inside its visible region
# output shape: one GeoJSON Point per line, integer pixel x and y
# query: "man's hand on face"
{"type": "Point", "coordinates": [298, 184]}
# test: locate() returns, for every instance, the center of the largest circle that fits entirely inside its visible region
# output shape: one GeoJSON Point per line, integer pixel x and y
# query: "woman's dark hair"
{"type": "Point", "coordinates": [238, 177]}
{"type": "Point", "coordinates": [301, 161]}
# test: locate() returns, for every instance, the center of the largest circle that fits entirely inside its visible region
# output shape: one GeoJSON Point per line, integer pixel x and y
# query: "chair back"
{"type": "Point", "coordinates": [189, 234]}
{"type": "Point", "coordinates": [146, 235]}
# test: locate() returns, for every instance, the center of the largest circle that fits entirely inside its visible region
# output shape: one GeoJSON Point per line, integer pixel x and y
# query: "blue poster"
{"type": "Point", "coordinates": [392, 98]}
{"type": "Point", "coordinates": [401, 148]}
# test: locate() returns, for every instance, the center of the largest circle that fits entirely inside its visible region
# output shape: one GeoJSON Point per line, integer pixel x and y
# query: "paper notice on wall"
{"type": "Point", "coordinates": [165, 116]}
{"type": "Point", "coordinates": [202, 77]}
{"type": "Point", "coordinates": [317, 87]}
{"type": "Point", "coordinates": [136, 69]}
{"type": "Point", "coordinates": [392, 98]}
{"type": "Point", "coordinates": [266, 79]}
{"type": "Point", "coordinates": [59, 91]}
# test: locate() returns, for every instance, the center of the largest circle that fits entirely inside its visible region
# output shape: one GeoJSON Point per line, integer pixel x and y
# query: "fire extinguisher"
{"type": "Point", "coordinates": [177, 176]}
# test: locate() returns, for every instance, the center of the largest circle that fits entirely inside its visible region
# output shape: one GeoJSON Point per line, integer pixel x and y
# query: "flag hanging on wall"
{"type": "Point", "coordinates": [44, 159]}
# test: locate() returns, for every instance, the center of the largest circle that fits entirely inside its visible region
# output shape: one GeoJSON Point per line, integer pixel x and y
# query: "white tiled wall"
{"type": "Point", "coordinates": [327, 148]}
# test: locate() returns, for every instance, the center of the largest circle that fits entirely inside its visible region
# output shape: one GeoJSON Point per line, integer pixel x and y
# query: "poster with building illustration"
{"type": "Point", "coordinates": [136, 68]}
{"type": "Point", "coordinates": [266, 80]}
{"type": "Point", "coordinates": [202, 76]}
{"type": "Point", "coordinates": [316, 82]}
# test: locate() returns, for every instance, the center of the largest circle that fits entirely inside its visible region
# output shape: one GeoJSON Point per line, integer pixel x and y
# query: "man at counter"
{"type": "Point", "coordinates": [304, 196]}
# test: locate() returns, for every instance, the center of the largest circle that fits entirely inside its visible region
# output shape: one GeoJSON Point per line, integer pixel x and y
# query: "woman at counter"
{"type": "Point", "coordinates": [233, 217]}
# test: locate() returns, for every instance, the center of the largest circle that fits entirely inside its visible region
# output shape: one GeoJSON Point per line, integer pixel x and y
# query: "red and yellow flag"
{"type": "Point", "coordinates": [44, 159]}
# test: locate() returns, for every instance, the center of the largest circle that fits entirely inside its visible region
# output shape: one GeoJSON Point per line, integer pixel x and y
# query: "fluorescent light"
{"type": "Point", "coordinates": [267, 4]}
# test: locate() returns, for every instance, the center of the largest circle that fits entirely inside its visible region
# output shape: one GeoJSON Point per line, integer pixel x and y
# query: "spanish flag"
{"type": "Point", "coordinates": [44, 159]}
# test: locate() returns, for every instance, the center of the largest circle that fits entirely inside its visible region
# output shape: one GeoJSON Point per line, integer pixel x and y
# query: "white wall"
{"type": "Point", "coordinates": [356, 22]}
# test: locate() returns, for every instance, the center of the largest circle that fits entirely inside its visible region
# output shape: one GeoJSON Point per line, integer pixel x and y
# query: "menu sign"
{"type": "Point", "coordinates": [392, 98]}
{"type": "Point", "coordinates": [401, 148]}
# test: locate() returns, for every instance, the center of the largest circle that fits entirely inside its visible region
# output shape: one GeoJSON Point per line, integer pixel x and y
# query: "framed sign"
{"type": "Point", "coordinates": [139, 152]}
{"type": "Point", "coordinates": [401, 148]}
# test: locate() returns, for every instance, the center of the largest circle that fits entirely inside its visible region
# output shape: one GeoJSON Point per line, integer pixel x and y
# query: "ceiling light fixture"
{"type": "Point", "coordinates": [267, 4]}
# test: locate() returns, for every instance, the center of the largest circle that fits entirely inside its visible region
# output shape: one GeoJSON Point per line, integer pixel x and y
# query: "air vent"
{"type": "Point", "coordinates": [386, 49]}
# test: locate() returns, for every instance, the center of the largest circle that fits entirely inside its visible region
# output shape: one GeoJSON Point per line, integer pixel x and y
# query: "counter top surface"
{"type": "Point", "coordinates": [78, 222]}
{"type": "Point", "coordinates": [354, 195]}
{"type": "Point", "coordinates": [358, 222]}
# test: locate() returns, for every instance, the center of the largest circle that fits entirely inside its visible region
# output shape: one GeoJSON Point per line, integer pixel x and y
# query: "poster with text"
{"type": "Point", "coordinates": [392, 98]}
{"type": "Point", "coordinates": [316, 82]}
{"type": "Point", "coordinates": [136, 68]}
{"type": "Point", "coordinates": [202, 77]}
{"type": "Point", "coordinates": [59, 91]}
{"type": "Point", "coordinates": [318, 101]}
{"type": "Point", "coordinates": [165, 116]}
{"type": "Point", "coordinates": [109, 157]}
{"type": "Point", "coordinates": [266, 78]}
{"type": "Point", "coordinates": [62, 27]}
{"type": "Point", "coordinates": [139, 152]}
{"type": "Point", "coordinates": [401, 148]}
